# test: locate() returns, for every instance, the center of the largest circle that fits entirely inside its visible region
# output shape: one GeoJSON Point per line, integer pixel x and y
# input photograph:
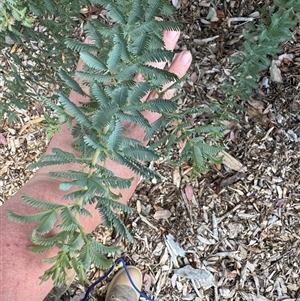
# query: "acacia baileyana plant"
{"type": "Point", "coordinates": [38, 30]}
{"type": "Point", "coordinates": [119, 50]}
{"type": "Point", "coordinates": [262, 42]}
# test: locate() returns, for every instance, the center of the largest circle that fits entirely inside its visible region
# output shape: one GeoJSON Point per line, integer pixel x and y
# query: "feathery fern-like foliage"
{"type": "Point", "coordinates": [262, 42]}
{"type": "Point", "coordinates": [35, 27]}
{"type": "Point", "coordinates": [120, 49]}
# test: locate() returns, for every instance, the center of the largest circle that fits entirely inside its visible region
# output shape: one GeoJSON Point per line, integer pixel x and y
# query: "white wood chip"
{"type": "Point", "coordinates": [231, 162]}
{"type": "Point", "coordinates": [174, 246]}
{"type": "Point", "coordinates": [252, 297]}
{"type": "Point", "coordinates": [275, 73]}
{"type": "Point", "coordinates": [162, 214]}
{"type": "Point", "coordinates": [204, 277]}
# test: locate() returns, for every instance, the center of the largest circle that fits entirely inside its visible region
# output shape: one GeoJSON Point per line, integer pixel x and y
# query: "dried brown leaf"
{"type": "Point", "coordinates": [189, 192]}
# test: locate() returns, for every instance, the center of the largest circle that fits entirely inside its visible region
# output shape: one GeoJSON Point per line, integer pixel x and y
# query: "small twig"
{"type": "Point", "coordinates": [219, 219]}
{"type": "Point", "coordinates": [144, 219]}
{"type": "Point", "coordinates": [214, 226]}
{"type": "Point", "coordinates": [195, 288]}
{"type": "Point", "coordinates": [268, 133]}
{"type": "Point", "coordinates": [239, 19]}
{"type": "Point", "coordinates": [203, 41]}
{"type": "Point", "coordinates": [243, 275]}
{"type": "Point", "coordinates": [216, 295]}
{"type": "Point", "coordinates": [30, 122]}
{"type": "Point", "coordinates": [225, 254]}
{"type": "Point", "coordinates": [188, 207]}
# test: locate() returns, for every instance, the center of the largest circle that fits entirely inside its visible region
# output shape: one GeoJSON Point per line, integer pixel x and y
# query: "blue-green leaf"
{"type": "Point", "coordinates": [71, 184]}
{"type": "Point", "coordinates": [30, 218]}
{"type": "Point", "coordinates": [103, 118]}
{"type": "Point", "coordinates": [92, 61]}
{"type": "Point", "coordinates": [69, 221]}
{"type": "Point", "coordinates": [76, 241]}
{"type": "Point", "coordinates": [154, 9]}
{"type": "Point", "coordinates": [136, 12]}
{"type": "Point", "coordinates": [115, 138]}
{"type": "Point", "coordinates": [47, 223]}
{"type": "Point", "coordinates": [84, 256]}
{"type": "Point", "coordinates": [101, 249]}
{"type": "Point", "coordinates": [50, 241]}
{"type": "Point", "coordinates": [141, 153]}
{"type": "Point", "coordinates": [144, 28]}
{"type": "Point", "coordinates": [114, 56]}
{"type": "Point", "coordinates": [70, 81]}
{"type": "Point", "coordinates": [80, 46]}
{"type": "Point", "coordinates": [141, 43]}
{"type": "Point", "coordinates": [138, 92]}
{"type": "Point", "coordinates": [119, 96]}
{"type": "Point", "coordinates": [135, 117]}
{"type": "Point", "coordinates": [74, 110]}
{"type": "Point", "coordinates": [198, 159]}
{"type": "Point", "coordinates": [99, 94]}
{"type": "Point", "coordinates": [39, 249]}
{"type": "Point", "coordinates": [102, 78]}
{"type": "Point", "coordinates": [40, 204]}
{"type": "Point", "coordinates": [116, 14]}
{"type": "Point", "coordinates": [157, 55]}
{"type": "Point", "coordinates": [90, 142]}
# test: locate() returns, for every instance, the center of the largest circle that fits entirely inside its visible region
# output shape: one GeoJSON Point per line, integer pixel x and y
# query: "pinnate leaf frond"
{"type": "Point", "coordinates": [69, 80]}
{"type": "Point", "coordinates": [30, 218]}
{"type": "Point", "coordinates": [136, 167]}
{"type": "Point", "coordinates": [159, 105]}
{"type": "Point", "coordinates": [111, 219]}
{"type": "Point", "coordinates": [136, 12]}
{"type": "Point", "coordinates": [115, 139]}
{"type": "Point", "coordinates": [157, 76]}
{"type": "Point", "coordinates": [90, 142]}
{"type": "Point", "coordinates": [85, 257]}
{"type": "Point", "coordinates": [69, 221]}
{"type": "Point", "coordinates": [40, 204]}
{"type": "Point", "coordinates": [49, 241]}
{"type": "Point", "coordinates": [74, 110]}
{"type": "Point", "coordinates": [153, 9]}
{"type": "Point", "coordinates": [138, 92]}
{"type": "Point", "coordinates": [47, 222]}
{"type": "Point", "coordinates": [39, 249]}
{"type": "Point", "coordinates": [169, 25]}
{"type": "Point", "coordinates": [103, 118]}
{"type": "Point", "coordinates": [59, 157]}
{"type": "Point", "coordinates": [158, 55]}
{"type": "Point", "coordinates": [140, 44]}
{"type": "Point", "coordinates": [141, 153]}
{"type": "Point", "coordinates": [145, 28]}
{"type": "Point", "coordinates": [80, 46]}
{"type": "Point", "coordinates": [75, 241]}
{"type": "Point", "coordinates": [114, 56]}
{"type": "Point", "coordinates": [101, 78]}
{"type": "Point", "coordinates": [116, 14]}
{"type": "Point", "coordinates": [135, 117]}
{"type": "Point", "coordinates": [119, 96]}
{"type": "Point", "coordinates": [112, 203]}
{"type": "Point", "coordinates": [92, 61]}
{"type": "Point", "coordinates": [100, 248]}
{"type": "Point", "coordinates": [99, 94]}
